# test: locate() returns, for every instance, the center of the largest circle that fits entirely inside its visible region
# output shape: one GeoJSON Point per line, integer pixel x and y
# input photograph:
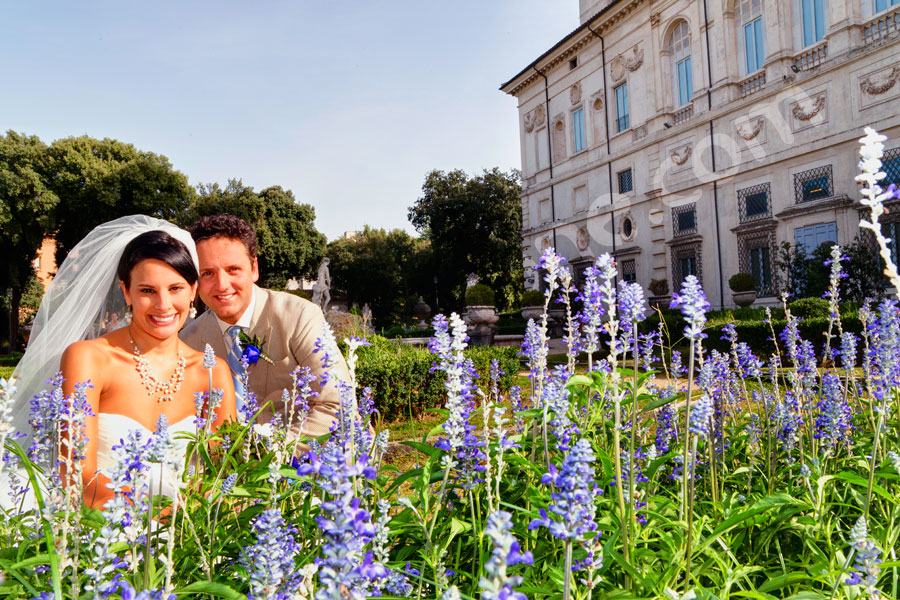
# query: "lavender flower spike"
{"type": "Point", "coordinates": [496, 584]}
{"type": "Point", "coordinates": [874, 196]}
{"type": "Point", "coordinates": [574, 502]}
{"type": "Point", "coordinates": [866, 561]}
{"type": "Point", "coordinates": [693, 305]}
{"type": "Point", "coordinates": [270, 561]}
{"type": "Point", "coordinates": [209, 357]}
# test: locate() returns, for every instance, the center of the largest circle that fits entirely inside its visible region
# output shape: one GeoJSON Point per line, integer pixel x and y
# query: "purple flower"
{"type": "Point", "coordinates": [834, 419]}
{"type": "Point", "coordinates": [344, 567]}
{"type": "Point", "coordinates": [666, 429]}
{"type": "Point", "coordinates": [495, 584]}
{"type": "Point", "coordinates": [866, 560]}
{"type": "Point", "coordinates": [573, 502]}
{"type": "Point", "coordinates": [701, 415]}
{"type": "Point", "coordinates": [693, 305]}
{"type": "Point", "coordinates": [270, 561]}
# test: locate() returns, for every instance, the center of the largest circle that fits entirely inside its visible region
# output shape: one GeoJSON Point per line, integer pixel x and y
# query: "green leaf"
{"type": "Point", "coordinates": [217, 590]}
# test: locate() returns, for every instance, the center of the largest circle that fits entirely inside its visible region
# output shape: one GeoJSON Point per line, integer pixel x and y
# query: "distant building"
{"type": "Point", "coordinates": [691, 136]}
{"type": "Point", "coordinates": [45, 263]}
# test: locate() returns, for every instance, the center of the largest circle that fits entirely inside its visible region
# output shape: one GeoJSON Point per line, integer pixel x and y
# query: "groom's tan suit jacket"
{"type": "Point", "coordinates": [290, 326]}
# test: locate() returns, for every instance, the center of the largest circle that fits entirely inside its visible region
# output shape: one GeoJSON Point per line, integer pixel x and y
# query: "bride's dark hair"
{"type": "Point", "coordinates": [161, 246]}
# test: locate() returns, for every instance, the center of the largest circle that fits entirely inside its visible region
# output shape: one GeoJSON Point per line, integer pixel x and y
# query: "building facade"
{"type": "Point", "coordinates": [693, 136]}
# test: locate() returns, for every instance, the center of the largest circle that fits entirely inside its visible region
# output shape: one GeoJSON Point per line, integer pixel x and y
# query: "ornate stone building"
{"type": "Point", "coordinates": [692, 136]}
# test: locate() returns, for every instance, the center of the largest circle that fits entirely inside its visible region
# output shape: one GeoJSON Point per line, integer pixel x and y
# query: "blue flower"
{"type": "Point", "coordinates": [693, 305]}
{"type": "Point", "coordinates": [495, 584]}
{"type": "Point", "coordinates": [866, 560]}
{"type": "Point", "coordinates": [209, 357]}
{"type": "Point", "coordinates": [574, 499]}
{"type": "Point", "coordinates": [270, 561]}
{"type": "Point", "coordinates": [251, 354]}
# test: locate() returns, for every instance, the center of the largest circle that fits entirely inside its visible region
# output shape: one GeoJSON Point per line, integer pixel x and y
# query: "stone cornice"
{"type": "Point", "coordinates": [627, 251]}
{"type": "Point", "coordinates": [569, 45]}
{"type": "Point", "coordinates": [815, 206]}
{"type": "Point", "coordinates": [754, 226]}
{"type": "Point", "coordinates": [685, 239]}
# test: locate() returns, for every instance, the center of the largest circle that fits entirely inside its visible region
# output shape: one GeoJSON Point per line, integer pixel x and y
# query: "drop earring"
{"type": "Point", "coordinates": [192, 313]}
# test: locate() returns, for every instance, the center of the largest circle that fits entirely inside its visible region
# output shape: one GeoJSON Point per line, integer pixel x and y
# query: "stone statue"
{"type": "Point", "coordinates": [321, 288]}
{"type": "Point", "coordinates": [367, 318]}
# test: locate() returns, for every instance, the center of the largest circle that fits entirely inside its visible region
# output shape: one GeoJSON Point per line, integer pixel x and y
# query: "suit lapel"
{"type": "Point", "coordinates": [210, 332]}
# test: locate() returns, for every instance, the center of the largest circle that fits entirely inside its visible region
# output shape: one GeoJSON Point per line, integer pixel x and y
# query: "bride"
{"type": "Point", "coordinates": [138, 371]}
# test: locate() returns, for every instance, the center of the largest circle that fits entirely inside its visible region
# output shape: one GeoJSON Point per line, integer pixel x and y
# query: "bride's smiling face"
{"type": "Point", "coordinates": [160, 298]}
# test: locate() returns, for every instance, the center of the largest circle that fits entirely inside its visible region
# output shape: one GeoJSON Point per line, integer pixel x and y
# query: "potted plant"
{"type": "Point", "coordinates": [532, 304]}
{"type": "Point", "coordinates": [659, 288]}
{"type": "Point", "coordinates": [744, 287]}
{"type": "Point", "coordinates": [481, 314]}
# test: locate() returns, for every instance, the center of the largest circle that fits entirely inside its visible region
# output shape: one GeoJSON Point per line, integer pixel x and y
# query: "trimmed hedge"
{"type": "Point", "coordinates": [758, 334]}
{"type": "Point", "coordinates": [403, 383]}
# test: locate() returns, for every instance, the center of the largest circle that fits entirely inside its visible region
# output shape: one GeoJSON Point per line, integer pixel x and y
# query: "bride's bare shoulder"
{"type": "Point", "coordinates": [97, 351]}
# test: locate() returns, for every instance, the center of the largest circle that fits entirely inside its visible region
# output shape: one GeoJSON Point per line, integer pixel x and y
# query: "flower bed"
{"type": "Point", "coordinates": [729, 475]}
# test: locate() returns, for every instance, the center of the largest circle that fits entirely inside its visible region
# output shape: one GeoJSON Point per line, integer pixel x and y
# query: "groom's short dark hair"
{"type": "Point", "coordinates": [227, 226]}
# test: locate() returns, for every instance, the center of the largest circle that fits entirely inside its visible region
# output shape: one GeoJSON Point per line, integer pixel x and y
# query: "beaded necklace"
{"type": "Point", "coordinates": [166, 388]}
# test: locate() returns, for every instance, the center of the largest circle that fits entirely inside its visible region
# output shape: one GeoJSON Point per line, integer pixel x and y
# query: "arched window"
{"type": "Point", "coordinates": [680, 52]}
{"type": "Point", "coordinates": [753, 34]}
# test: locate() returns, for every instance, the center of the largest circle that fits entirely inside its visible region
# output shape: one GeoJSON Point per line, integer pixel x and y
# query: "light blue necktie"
{"type": "Point", "coordinates": [234, 362]}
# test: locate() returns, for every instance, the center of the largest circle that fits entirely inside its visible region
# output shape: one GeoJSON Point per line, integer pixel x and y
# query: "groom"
{"type": "Point", "coordinates": [289, 325]}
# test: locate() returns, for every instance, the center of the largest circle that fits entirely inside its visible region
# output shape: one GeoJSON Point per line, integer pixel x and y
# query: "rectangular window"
{"type": "Point", "coordinates": [753, 202]}
{"type": "Point", "coordinates": [890, 164]}
{"type": "Point", "coordinates": [685, 81]}
{"type": "Point", "coordinates": [578, 129]}
{"type": "Point", "coordinates": [881, 5]}
{"type": "Point", "coordinates": [684, 219]}
{"type": "Point", "coordinates": [626, 184]}
{"type": "Point", "coordinates": [892, 233]}
{"type": "Point", "coordinates": [761, 269]}
{"type": "Point", "coordinates": [622, 108]}
{"type": "Point", "coordinates": [810, 238]}
{"type": "Point", "coordinates": [629, 271]}
{"type": "Point", "coordinates": [813, 184]}
{"type": "Point", "coordinates": [753, 45]}
{"type": "Point", "coordinates": [688, 266]}
{"type": "Point", "coordinates": [813, 21]}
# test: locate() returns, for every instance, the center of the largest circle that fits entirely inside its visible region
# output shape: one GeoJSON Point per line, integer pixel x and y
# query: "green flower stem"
{"type": "Point", "coordinates": [567, 576]}
{"type": "Point", "coordinates": [687, 471]}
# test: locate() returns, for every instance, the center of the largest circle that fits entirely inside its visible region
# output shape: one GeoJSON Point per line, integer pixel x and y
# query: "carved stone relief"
{"type": "Point", "coordinates": [597, 100]}
{"type": "Point", "coordinates": [804, 111]}
{"type": "Point", "coordinates": [654, 19]}
{"type": "Point", "coordinates": [639, 133]}
{"type": "Point", "coordinates": [559, 138]}
{"type": "Point", "coordinates": [634, 62]}
{"type": "Point", "coordinates": [575, 93]}
{"type": "Point", "coordinates": [681, 154]}
{"type": "Point", "coordinates": [529, 122]}
{"type": "Point", "coordinates": [750, 129]}
{"type": "Point", "coordinates": [539, 116]}
{"type": "Point", "coordinates": [617, 69]}
{"type": "Point", "coordinates": [582, 238]}
{"type": "Point", "coordinates": [876, 89]}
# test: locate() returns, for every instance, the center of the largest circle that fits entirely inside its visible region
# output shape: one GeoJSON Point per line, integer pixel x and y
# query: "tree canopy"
{"type": "Point", "coordinates": [474, 226]}
{"type": "Point", "coordinates": [289, 244]}
{"type": "Point", "coordinates": [389, 270]}
{"type": "Point", "coordinates": [101, 180]}
{"type": "Point", "coordinates": [27, 208]}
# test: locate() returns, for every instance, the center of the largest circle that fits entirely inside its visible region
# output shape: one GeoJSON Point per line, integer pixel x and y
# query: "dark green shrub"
{"type": "Point", "coordinates": [305, 294]}
{"type": "Point", "coordinates": [533, 298]}
{"type": "Point", "coordinates": [742, 282]}
{"type": "Point", "coordinates": [810, 308]}
{"type": "Point", "coordinates": [403, 383]}
{"type": "Point", "coordinates": [479, 295]}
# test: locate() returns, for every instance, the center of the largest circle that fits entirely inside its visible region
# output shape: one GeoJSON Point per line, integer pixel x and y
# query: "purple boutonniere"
{"type": "Point", "coordinates": [253, 349]}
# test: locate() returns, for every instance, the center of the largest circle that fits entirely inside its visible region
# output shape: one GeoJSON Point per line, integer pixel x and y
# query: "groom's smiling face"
{"type": "Point", "coordinates": [227, 274]}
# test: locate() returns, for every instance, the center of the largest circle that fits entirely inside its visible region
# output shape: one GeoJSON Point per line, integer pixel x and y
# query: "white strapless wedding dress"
{"type": "Point", "coordinates": [111, 429]}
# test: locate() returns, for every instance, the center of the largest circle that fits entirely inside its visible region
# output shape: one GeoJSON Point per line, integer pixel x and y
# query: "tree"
{"type": "Point", "coordinates": [474, 225]}
{"type": "Point", "coordinates": [101, 180]}
{"type": "Point", "coordinates": [289, 244]}
{"type": "Point", "coordinates": [26, 214]}
{"type": "Point", "coordinates": [389, 270]}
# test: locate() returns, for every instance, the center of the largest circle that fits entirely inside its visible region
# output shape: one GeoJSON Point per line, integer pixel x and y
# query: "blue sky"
{"type": "Point", "coordinates": [348, 104]}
